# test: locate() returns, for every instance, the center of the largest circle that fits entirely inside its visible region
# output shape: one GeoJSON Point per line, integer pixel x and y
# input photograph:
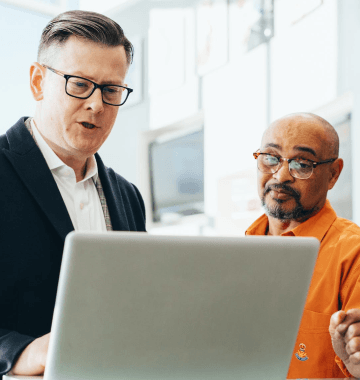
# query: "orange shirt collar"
{"type": "Point", "coordinates": [316, 226]}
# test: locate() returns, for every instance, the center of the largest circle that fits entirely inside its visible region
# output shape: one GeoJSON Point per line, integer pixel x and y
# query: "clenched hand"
{"type": "Point", "coordinates": [345, 336]}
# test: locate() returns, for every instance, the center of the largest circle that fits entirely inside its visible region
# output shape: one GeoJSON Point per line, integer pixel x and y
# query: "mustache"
{"type": "Point", "coordinates": [284, 187]}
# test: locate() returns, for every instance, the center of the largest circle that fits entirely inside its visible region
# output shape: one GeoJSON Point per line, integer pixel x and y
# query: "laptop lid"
{"type": "Point", "coordinates": [137, 306]}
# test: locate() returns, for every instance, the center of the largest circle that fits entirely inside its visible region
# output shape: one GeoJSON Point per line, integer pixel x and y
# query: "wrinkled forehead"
{"type": "Point", "coordinates": [290, 133]}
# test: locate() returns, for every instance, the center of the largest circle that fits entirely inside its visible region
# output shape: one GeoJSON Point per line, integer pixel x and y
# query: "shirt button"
{"type": "Point", "coordinates": [81, 206]}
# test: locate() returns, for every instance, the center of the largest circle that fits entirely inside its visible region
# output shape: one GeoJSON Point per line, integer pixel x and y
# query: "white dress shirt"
{"type": "Point", "coordinates": [81, 198]}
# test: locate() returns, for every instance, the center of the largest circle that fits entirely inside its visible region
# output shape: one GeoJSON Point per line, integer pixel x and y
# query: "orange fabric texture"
{"type": "Point", "coordinates": [335, 285]}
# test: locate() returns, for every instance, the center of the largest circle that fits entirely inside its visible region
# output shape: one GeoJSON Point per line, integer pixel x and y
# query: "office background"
{"type": "Point", "coordinates": [224, 67]}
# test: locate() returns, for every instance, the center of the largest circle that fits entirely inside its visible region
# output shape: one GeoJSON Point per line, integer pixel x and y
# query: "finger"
{"type": "Point", "coordinates": [352, 316]}
{"type": "Point", "coordinates": [352, 332]}
{"type": "Point", "coordinates": [336, 319]}
{"type": "Point", "coordinates": [353, 346]}
{"type": "Point", "coordinates": [336, 336]}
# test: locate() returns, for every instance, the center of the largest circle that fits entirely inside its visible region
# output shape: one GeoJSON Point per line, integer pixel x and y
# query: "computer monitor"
{"type": "Point", "coordinates": [176, 166]}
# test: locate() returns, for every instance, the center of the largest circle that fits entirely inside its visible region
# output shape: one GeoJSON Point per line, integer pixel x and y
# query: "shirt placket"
{"type": "Point", "coordinates": [82, 206]}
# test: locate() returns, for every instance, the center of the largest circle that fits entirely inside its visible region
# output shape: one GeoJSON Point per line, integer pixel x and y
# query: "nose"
{"type": "Point", "coordinates": [283, 174]}
{"type": "Point", "coordinates": [95, 102]}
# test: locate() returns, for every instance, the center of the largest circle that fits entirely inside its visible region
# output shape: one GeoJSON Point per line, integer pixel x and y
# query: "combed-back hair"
{"type": "Point", "coordinates": [88, 25]}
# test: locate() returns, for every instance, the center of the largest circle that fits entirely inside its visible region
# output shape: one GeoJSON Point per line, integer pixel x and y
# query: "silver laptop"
{"type": "Point", "coordinates": [135, 306]}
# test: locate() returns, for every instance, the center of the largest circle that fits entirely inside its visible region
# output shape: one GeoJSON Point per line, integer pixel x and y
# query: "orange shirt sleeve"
{"type": "Point", "coordinates": [342, 366]}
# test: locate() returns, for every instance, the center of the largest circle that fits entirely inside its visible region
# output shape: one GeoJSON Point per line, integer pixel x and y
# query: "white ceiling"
{"type": "Point", "coordinates": [109, 7]}
{"type": "Point", "coordinates": [45, 7]}
{"type": "Point", "coordinates": [104, 6]}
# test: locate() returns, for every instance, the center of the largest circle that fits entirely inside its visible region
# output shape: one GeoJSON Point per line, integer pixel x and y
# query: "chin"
{"type": "Point", "coordinates": [276, 208]}
{"type": "Point", "coordinates": [286, 214]}
{"type": "Point", "coordinates": [84, 151]}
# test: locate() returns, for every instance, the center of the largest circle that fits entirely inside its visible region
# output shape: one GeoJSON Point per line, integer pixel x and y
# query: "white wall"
{"type": "Point", "coordinates": [101, 6]}
{"type": "Point", "coordinates": [120, 151]}
{"type": "Point", "coordinates": [348, 80]}
{"type": "Point", "coordinates": [304, 62]}
{"type": "Point", "coordinates": [20, 32]}
{"type": "Point", "coordinates": [235, 119]}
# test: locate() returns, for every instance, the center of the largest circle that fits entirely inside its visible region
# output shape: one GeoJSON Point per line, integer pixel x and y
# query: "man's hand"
{"type": "Point", "coordinates": [32, 360]}
{"type": "Point", "coordinates": [345, 336]}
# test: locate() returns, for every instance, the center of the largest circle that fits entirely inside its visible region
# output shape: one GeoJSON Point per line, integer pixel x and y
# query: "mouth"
{"type": "Point", "coordinates": [88, 125]}
{"type": "Point", "coordinates": [279, 194]}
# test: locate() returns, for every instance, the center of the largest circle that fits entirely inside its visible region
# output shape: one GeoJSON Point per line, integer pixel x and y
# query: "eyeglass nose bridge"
{"type": "Point", "coordinates": [95, 87]}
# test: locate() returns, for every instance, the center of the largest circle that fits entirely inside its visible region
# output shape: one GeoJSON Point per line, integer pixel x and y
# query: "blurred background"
{"type": "Point", "coordinates": [208, 77]}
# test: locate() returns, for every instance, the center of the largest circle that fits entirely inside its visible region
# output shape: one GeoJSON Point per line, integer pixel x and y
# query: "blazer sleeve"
{"type": "Point", "coordinates": [12, 343]}
{"type": "Point", "coordinates": [11, 346]}
{"type": "Point", "coordinates": [141, 201]}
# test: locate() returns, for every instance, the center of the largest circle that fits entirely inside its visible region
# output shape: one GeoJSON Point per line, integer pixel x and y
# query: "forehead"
{"type": "Point", "coordinates": [290, 133]}
{"type": "Point", "coordinates": [99, 62]}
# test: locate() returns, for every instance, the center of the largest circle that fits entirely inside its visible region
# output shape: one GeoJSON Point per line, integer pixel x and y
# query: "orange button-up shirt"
{"type": "Point", "coordinates": [335, 285]}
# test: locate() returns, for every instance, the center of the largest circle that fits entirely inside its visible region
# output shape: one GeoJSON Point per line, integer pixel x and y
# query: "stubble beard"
{"type": "Point", "coordinates": [297, 213]}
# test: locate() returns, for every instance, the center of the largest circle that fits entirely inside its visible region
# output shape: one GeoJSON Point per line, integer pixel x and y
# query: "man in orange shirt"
{"type": "Point", "coordinates": [298, 163]}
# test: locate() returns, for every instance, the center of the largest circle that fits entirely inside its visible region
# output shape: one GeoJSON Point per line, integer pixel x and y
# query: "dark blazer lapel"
{"type": "Point", "coordinates": [30, 164]}
{"type": "Point", "coordinates": [113, 197]}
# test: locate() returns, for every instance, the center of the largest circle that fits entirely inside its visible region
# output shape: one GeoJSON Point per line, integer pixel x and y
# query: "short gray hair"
{"type": "Point", "coordinates": [88, 25]}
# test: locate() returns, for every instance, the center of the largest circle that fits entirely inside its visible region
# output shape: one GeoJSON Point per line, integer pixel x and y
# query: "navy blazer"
{"type": "Point", "coordinates": [33, 225]}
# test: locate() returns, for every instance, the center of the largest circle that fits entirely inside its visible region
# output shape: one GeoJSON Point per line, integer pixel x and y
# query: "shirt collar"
{"type": "Point", "coordinates": [259, 227]}
{"type": "Point", "coordinates": [54, 162]}
{"type": "Point", "coordinates": [316, 226]}
{"type": "Point", "coordinates": [91, 169]}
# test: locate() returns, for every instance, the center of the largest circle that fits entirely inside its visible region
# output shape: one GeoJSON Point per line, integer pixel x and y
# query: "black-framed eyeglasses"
{"type": "Point", "coordinates": [298, 167]}
{"type": "Point", "coordinates": [82, 88]}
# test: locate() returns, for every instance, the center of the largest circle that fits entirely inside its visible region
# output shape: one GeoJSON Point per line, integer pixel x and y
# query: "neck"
{"type": "Point", "coordinates": [79, 166]}
{"type": "Point", "coordinates": [278, 227]}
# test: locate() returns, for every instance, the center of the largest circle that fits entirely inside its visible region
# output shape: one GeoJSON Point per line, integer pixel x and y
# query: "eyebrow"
{"type": "Point", "coordinates": [305, 149]}
{"type": "Point", "coordinates": [296, 147]}
{"type": "Point", "coordinates": [271, 145]}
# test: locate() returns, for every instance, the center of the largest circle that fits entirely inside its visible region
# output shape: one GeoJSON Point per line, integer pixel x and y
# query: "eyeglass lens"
{"type": "Point", "coordinates": [298, 168]}
{"type": "Point", "coordinates": [82, 88]}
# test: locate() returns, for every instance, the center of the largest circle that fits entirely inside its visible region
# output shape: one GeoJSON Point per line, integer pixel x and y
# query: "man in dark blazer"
{"type": "Point", "coordinates": [79, 84]}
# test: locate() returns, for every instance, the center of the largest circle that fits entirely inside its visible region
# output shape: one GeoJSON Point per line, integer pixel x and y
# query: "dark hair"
{"type": "Point", "coordinates": [89, 25]}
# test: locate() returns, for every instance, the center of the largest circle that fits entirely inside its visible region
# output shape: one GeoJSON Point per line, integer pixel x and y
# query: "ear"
{"type": "Point", "coordinates": [37, 76]}
{"type": "Point", "coordinates": [335, 170]}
